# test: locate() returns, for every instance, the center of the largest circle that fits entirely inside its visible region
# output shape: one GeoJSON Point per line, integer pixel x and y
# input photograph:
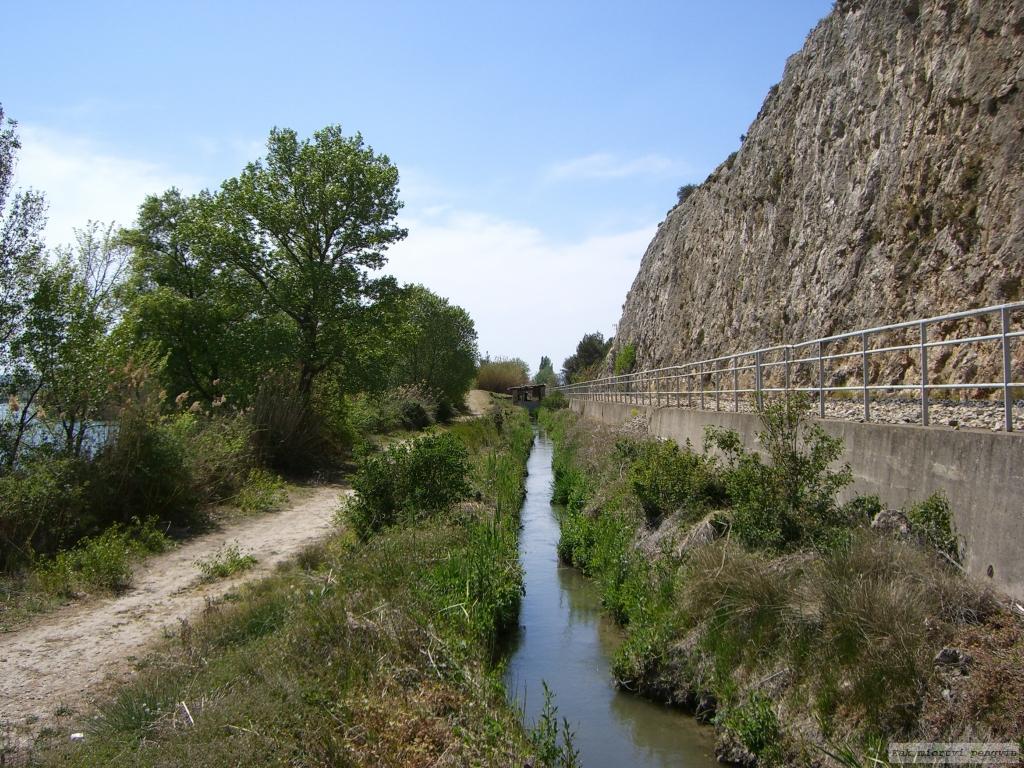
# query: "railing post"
{"type": "Point", "coordinates": [718, 389]}
{"type": "Point", "coordinates": [864, 373]}
{"type": "Point", "coordinates": [689, 390]}
{"type": "Point", "coordinates": [785, 357]}
{"type": "Point", "coordinates": [1004, 317]}
{"type": "Point", "coordinates": [758, 394]}
{"type": "Point", "coordinates": [924, 374]}
{"type": "Point", "coordinates": [821, 381]}
{"type": "Point", "coordinates": [735, 387]}
{"type": "Point", "coordinates": [700, 374]}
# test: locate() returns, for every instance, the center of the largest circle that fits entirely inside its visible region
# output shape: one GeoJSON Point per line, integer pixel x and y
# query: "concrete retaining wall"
{"type": "Point", "coordinates": [981, 473]}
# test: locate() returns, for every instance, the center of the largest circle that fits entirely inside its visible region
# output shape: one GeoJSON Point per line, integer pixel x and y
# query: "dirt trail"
{"type": "Point", "coordinates": [479, 402]}
{"type": "Point", "coordinates": [66, 658]}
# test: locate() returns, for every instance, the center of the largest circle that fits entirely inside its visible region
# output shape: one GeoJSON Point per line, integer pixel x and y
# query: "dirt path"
{"type": "Point", "coordinates": [479, 402]}
{"type": "Point", "coordinates": [67, 657]}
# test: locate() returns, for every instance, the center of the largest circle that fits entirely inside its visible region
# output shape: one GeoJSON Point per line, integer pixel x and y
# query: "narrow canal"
{"type": "Point", "coordinates": [566, 641]}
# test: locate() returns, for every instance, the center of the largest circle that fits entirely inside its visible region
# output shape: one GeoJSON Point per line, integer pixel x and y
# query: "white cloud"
{"type": "Point", "coordinates": [603, 165]}
{"type": "Point", "coordinates": [529, 294]}
{"type": "Point", "coordinates": [84, 181]}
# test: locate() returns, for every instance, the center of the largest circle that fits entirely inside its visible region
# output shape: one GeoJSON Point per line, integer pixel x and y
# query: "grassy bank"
{"type": "Point", "coordinates": [754, 599]}
{"type": "Point", "coordinates": [373, 649]}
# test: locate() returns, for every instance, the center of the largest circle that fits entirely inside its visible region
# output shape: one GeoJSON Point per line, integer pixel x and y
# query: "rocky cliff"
{"type": "Point", "coordinates": [882, 180]}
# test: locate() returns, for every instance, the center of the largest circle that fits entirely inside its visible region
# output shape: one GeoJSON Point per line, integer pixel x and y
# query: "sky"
{"type": "Point", "coordinates": [539, 144]}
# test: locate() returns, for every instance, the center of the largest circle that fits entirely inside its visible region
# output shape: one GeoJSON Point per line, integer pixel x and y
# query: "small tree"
{"type": "Point", "coordinates": [546, 373]}
{"type": "Point", "coordinates": [435, 345]}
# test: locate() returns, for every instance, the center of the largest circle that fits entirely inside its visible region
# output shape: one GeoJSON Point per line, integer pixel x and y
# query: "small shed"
{"type": "Point", "coordinates": [528, 395]}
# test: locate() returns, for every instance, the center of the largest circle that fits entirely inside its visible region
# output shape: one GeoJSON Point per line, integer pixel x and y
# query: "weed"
{"type": "Point", "coordinates": [551, 751]}
{"type": "Point", "coordinates": [933, 521]}
{"type": "Point", "coordinates": [226, 561]}
{"type": "Point", "coordinates": [263, 491]}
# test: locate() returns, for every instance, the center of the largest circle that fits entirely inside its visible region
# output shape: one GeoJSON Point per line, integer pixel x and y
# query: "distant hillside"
{"type": "Point", "coordinates": [882, 180]}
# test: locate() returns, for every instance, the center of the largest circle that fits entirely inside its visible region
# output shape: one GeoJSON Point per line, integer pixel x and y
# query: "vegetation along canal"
{"type": "Point", "coordinates": [567, 642]}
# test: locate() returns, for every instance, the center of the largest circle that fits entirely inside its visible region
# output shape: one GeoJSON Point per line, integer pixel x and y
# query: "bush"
{"type": "Point", "coordinates": [219, 451]}
{"type": "Point", "coordinates": [263, 491]}
{"type": "Point", "coordinates": [625, 359]}
{"type": "Point", "coordinates": [41, 504]}
{"type": "Point", "coordinates": [498, 375]}
{"type": "Point", "coordinates": [932, 520]}
{"type": "Point", "coordinates": [145, 467]}
{"type": "Point", "coordinates": [290, 435]}
{"type": "Point", "coordinates": [101, 562]}
{"type": "Point", "coordinates": [791, 499]}
{"type": "Point", "coordinates": [555, 401]}
{"type": "Point", "coordinates": [225, 562]}
{"type": "Point", "coordinates": [665, 479]}
{"type": "Point", "coordinates": [408, 481]}
{"type": "Point", "coordinates": [409, 408]}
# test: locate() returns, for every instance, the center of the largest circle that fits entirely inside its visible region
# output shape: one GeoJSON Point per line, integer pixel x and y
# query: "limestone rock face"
{"type": "Point", "coordinates": [882, 180]}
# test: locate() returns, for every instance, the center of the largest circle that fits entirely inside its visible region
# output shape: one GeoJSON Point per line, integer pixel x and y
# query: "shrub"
{"type": "Point", "coordinates": [145, 467]}
{"type": "Point", "coordinates": [289, 434]}
{"type": "Point", "coordinates": [409, 408]}
{"type": "Point", "coordinates": [225, 562]}
{"type": "Point", "coordinates": [665, 479]}
{"type": "Point", "coordinates": [791, 499]}
{"type": "Point", "coordinates": [625, 359]}
{"type": "Point", "coordinates": [41, 504]}
{"type": "Point", "coordinates": [101, 562]}
{"type": "Point", "coordinates": [219, 452]}
{"type": "Point", "coordinates": [756, 725]}
{"type": "Point", "coordinates": [408, 481]}
{"type": "Point", "coordinates": [932, 520]}
{"type": "Point", "coordinates": [263, 491]}
{"type": "Point", "coordinates": [500, 374]}
{"type": "Point", "coordinates": [555, 401]}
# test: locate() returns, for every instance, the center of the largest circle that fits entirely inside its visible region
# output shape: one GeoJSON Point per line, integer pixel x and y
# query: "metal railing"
{"type": "Point", "coordinates": [810, 366]}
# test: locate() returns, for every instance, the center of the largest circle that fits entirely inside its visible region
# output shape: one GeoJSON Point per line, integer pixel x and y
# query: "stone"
{"type": "Point", "coordinates": [893, 522]}
{"type": "Point", "coordinates": [953, 657]}
{"type": "Point", "coordinates": [914, 209]}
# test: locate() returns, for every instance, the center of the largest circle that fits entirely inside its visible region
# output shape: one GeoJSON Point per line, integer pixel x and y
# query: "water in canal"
{"type": "Point", "coordinates": [566, 641]}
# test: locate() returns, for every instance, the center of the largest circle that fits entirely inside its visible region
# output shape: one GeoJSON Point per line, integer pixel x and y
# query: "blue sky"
{"type": "Point", "coordinates": [539, 143]}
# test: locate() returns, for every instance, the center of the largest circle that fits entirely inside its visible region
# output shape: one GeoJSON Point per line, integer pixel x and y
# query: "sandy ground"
{"type": "Point", "coordinates": [67, 658]}
{"type": "Point", "coordinates": [480, 402]}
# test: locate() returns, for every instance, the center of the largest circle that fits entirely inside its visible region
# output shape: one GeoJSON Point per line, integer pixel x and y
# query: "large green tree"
{"type": "Point", "coordinates": [216, 337]}
{"type": "Point", "coordinates": [546, 372]}
{"type": "Point", "coordinates": [436, 346]}
{"type": "Point", "coordinates": [301, 231]}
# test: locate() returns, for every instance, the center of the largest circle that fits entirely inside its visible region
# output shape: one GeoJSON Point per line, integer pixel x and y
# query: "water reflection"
{"type": "Point", "coordinates": [566, 641]}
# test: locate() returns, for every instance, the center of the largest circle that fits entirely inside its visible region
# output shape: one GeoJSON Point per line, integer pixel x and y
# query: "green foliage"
{"type": "Point", "coordinates": [499, 374]}
{"type": "Point", "coordinates": [625, 359]}
{"type": "Point", "coordinates": [381, 648]}
{"type": "Point", "coordinates": [408, 481]}
{"type": "Point", "coordinates": [144, 467]}
{"type": "Point", "coordinates": [263, 491]}
{"type": "Point", "coordinates": [409, 408]}
{"type": "Point", "coordinates": [757, 726]}
{"type": "Point", "coordinates": [225, 562]}
{"type": "Point", "coordinates": [684, 192]}
{"type": "Point", "coordinates": [552, 744]}
{"type": "Point", "coordinates": [435, 346]}
{"type": "Point", "coordinates": [585, 363]}
{"type": "Point", "coordinates": [933, 521]}
{"type": "Point", "coordinates": [789, 499]}
{"type": "Point", "coordinates": [102, 562]}
{"type": "Point", "coordinates": [666, 479]}
{"type": "Point", "coordinates": [555, 401]}
{"type": "Point", "coordinates": [219, 452]}
{"type": "Point", "coordinates": [40, 506]}
{"type": "Point", "coordinates": [300, 231]}
{"type": "Point", "coordinates": [546, 373]}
